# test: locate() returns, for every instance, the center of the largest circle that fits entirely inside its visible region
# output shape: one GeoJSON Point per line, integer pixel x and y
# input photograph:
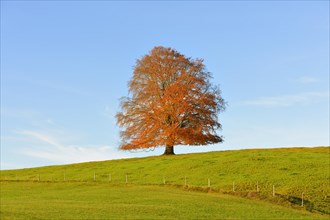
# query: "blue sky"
{"type": "Point", "coordinates": [64, 66]}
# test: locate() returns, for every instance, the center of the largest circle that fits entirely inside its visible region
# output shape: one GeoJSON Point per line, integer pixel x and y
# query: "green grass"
{"type": "Point", "coordinates": [26, 200]}
{"type": "Point", "coordinates": [292, 171]}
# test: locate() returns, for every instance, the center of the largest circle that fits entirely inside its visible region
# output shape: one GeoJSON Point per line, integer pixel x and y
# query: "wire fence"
{"type": "Point", "coordinates": [247, 189]}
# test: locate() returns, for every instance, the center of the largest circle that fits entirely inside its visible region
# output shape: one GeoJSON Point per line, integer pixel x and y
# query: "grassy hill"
{"type": "Point", "coordinates": [245, 173]}
{"type": "Point", "coordinates": [72, 200]}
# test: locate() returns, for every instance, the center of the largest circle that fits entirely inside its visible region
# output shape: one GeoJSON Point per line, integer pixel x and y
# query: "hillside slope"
{"type": "Point", "coordinates": [95, 200]}
{"type": "Point", "coordinates": [288, 171]}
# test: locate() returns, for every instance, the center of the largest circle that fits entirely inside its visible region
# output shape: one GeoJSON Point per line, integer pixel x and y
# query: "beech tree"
{"type": "Point", "coordinates": [171, 102]}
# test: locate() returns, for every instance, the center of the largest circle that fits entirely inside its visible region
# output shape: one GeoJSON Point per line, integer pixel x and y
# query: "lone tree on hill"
{"type": "Point", "coordinates": [172, 103]}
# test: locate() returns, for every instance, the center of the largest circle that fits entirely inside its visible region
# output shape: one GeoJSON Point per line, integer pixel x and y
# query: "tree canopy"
{"type": "Point", "coordinates": [171, 102]}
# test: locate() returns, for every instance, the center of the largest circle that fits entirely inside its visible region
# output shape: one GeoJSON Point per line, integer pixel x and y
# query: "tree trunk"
{"type": "Point", "coordinates": [169, 150]}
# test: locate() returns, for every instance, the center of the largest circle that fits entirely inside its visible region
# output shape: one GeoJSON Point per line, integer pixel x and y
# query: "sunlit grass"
{"type": "Point", "coordinates": [291, 171]}
{"type": "Point", "coordinates": [31, 200]}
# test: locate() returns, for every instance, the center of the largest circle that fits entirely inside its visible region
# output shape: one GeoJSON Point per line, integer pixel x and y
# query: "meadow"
{"type": "Point", "coordinates": [249, 184]}
{"type": "Point", "coordinates": [26, 200]}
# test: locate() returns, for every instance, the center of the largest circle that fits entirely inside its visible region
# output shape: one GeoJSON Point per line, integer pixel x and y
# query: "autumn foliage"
{"type": "Point", "coordinates": [172, 102]}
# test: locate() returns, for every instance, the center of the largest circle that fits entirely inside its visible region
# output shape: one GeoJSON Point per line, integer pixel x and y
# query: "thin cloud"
{"type": "Point", "coordinates": [59, 86]}
{"type": "Point", "coordinates": [109, 112]}
{"type": "Point", "coordinates": [289, 100]}
{"type": "Point", "coordinates": [307, 80]}
{"type": "Point", "coordinates": [41, 137]}
{"type": "Point", "coordinates": [50, 148]}
{"type": "Point", "coordinates": [49, 121]}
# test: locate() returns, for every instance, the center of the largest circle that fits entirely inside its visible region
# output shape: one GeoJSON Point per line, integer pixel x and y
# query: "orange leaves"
{"type": "Point", "coordinates": [172, 102]}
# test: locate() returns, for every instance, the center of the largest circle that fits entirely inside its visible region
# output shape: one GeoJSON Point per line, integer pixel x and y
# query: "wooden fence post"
{"type": "Point", "coordinates": [273, 190]}
{"type": "Point", "coordinates": [233, 186]}
{"type": "Point", "coordinates": [208, 183]}
{"type": "Point", "coordinates": [302, 199]}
